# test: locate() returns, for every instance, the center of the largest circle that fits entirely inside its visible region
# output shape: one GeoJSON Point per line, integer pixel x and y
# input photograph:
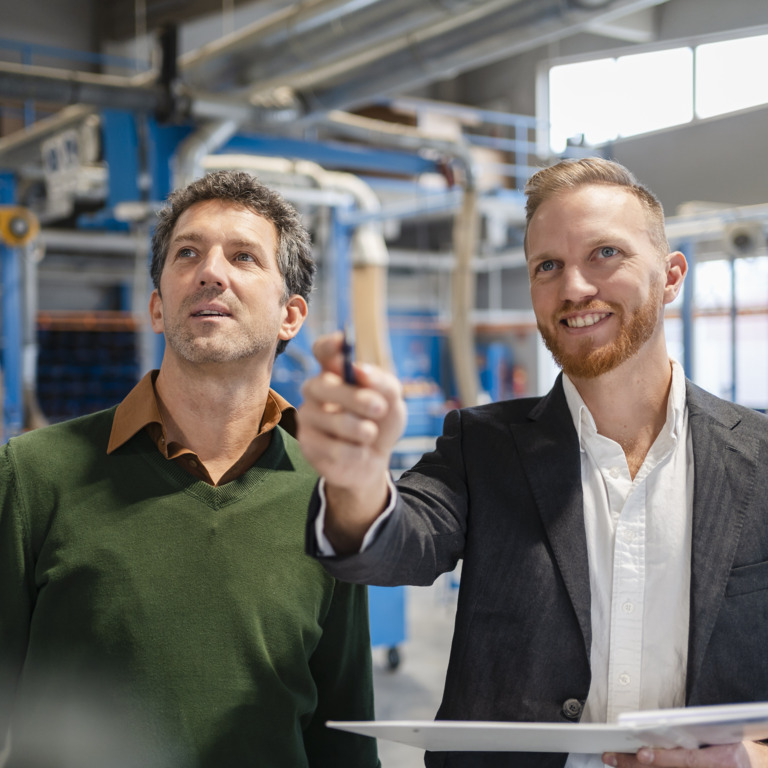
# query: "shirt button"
{"type": "Point", "coordinates": [628, 535]}
{"type": "Point", "coordinates": [628, 607]}
{"type": "Point", "coordinates": [614, 472]}
{"type": "Point", "coordinates": [624, 679]}
{"type": "Point", "coordinates": [192, 463]}
{"type": "Point", "coordinates": [572, 709]}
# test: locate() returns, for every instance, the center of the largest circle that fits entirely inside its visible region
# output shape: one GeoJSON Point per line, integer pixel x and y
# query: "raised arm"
{"type": "Point", "coordinates": [347, 432]}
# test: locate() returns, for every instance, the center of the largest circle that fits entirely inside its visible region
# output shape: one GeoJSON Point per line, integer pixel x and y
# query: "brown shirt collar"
{"type": "Point", "coordinates": [140, 411]}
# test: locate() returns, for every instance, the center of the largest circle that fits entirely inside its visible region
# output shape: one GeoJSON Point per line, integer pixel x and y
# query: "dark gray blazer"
{"type": "Point", "coordinates": [502, 490]}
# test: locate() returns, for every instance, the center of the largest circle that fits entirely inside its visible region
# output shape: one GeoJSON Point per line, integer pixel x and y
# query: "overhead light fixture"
{"type": "Point", "coordinates": [743, 238]}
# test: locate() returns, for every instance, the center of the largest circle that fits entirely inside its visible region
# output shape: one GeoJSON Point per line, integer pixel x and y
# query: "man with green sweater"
{"type": "Point", "coordinates": [156, 606]}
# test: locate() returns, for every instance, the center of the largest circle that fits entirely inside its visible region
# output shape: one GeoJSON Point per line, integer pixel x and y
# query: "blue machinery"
{"type": "Point", "coordinates": [137, 148]}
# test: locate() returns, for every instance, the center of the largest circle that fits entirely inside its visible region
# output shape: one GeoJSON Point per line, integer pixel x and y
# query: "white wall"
{"type": "Point", "coordinates": [68, 24]}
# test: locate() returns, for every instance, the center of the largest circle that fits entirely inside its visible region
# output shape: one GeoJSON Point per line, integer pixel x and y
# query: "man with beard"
{"type": "Point", "coordinates": [613, 532]}
{"type": "Point", "coordinates": [157, 609]}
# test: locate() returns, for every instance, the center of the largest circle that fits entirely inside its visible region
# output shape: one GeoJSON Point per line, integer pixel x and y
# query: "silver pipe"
{"type": "Point", "coordinates": [82, 241]}
{"type": "Point", "coordinates": [297, 19]}
{"type": "Point", "coordinates": [188, 161]}
{"type": "Point", "coordinates": [71, 87]}
{"type": "Point", "coordinates": [509, 31]}
{"type": "Point", "coordinates": [389, 24]}
{"type": "Point", "coordinates": [402, 137]}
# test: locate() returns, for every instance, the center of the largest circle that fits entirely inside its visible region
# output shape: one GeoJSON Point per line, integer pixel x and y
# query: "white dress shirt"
{"type": "Point", "coordinates": [639, 548]}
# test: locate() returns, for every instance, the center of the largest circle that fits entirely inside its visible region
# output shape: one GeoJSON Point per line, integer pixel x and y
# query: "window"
{"type": "Point", "coordinates": [730, 75]}
{"type": "Point", "coordinates": [593, 102]}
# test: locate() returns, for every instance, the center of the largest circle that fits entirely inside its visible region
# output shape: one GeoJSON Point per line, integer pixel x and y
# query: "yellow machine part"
{"type": "Point", "coordinates": [18, 225]}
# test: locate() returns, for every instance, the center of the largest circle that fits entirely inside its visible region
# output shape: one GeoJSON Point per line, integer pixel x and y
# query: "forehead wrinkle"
{"type": "Point", "coordinates": [236, 242]}
{"type": "Point", "coordinates": [190, 237]}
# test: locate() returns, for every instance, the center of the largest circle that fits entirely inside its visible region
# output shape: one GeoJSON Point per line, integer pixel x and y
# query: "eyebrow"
{"type": "Point", "coordinates": [598, 241]}
{"type": "Point", "coordinates": [539, 257]}
{"type": "Point", "coordinates": [197, 237]}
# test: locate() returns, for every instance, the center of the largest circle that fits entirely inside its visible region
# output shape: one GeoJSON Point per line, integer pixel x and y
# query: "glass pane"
{"type": "Point", "coordinates": [751, 360]}
{"type": "Point", "coordinates": [655, 90]}
{"type": "Point", "coordinates": [712, 354]}
{"type": "Point", "coordinates": [713, 284]}
{"type": "Point", "coordinates": [730, 75]}
{"type": "Point", "coordinates": [580, 98]}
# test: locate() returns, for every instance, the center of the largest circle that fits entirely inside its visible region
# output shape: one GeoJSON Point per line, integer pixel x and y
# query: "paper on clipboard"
{"type": "Point", "coordinates": [667, 728]}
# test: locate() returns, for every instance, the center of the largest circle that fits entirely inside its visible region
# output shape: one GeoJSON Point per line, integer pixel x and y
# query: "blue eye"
{"type": "Point", "coordinates": [546, 266]}
{"type": "Point", "coordinates": [185, 253]}
{"type": "Point", "coordinates": [607, 251]}
{"type": "Point", "coordinates": [244, 257]}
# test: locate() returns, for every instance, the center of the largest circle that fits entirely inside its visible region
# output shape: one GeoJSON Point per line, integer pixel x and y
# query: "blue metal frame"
{"type": "Point", "coordinates": [341, 266]}
{"type": "Point", "coordinates": [162, 141]}
{"type": "Point", "coordinates": [28, 51]}
{"type": "Point", "coordinates": [11, 351]}
{"type": "Point", "coordinates": [120, 142]}
{"type": "Point", "coordinates": [689, 291]}
{"type": "Point", "coordinates": [332, 155]}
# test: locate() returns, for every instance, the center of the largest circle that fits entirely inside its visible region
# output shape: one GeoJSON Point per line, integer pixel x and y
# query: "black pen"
{"type": "Point", "coordinates": [348, 351]}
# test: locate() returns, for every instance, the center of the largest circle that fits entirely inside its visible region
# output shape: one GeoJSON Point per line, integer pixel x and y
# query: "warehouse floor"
{"type": "Point", "coordinates": [413, 690]}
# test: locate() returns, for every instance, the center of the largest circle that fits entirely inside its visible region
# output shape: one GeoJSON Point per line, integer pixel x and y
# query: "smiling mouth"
{"type": "Point", "coordinates": [584, 321]}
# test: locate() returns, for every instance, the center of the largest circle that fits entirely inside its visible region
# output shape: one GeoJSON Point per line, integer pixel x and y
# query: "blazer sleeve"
{"type": "Point", "coordinates": [425, 534]}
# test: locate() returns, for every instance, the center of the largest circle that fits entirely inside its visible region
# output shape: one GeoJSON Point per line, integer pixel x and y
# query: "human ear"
{"type": "Point", "coordinates": [156, 311]}
{"type": "Point", "coordinates": [677, 268]}
{"type": "Point", "coordinates": [295, 314]}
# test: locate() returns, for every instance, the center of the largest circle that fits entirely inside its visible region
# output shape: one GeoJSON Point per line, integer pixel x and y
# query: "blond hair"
{"type": "Point", "coordinates": [568, 175]}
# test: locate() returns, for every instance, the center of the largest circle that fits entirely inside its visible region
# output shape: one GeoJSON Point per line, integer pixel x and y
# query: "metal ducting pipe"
{"type": "Point", "coordinates": [506, 32]}
{"type": "Point", "coordinates": [315, 34]}
{"type": "Point", "coordinates": [388, 25]}
{"type": "Point", "coordinates": [104, 91]}
{"type": "Point", "coordinates": [188, 161]}
{"type": "Point", "coordinates": [461, 336]}
{"type": "Point", "coordinates": [296, 19]}
{"type": "Point", "coordinates": [465, 237]}
{"type": "Point", "coordinates": [47, 84]}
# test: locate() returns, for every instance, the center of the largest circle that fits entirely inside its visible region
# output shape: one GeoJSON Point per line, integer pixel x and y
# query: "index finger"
{"type": "Point", "coordinates": [328, 351]}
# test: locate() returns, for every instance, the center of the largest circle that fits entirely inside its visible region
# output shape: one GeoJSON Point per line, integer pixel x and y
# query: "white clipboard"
{"type": "Point", "coordinates": [690, 727]}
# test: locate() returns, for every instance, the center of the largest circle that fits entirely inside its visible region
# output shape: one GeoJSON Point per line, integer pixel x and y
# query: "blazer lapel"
{"type": "Point", "coordinates": [549, 452]}
{"type": "Point", "coordinates": [724, 474]}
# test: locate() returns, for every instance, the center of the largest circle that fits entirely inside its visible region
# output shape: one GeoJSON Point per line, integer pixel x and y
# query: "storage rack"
{"type": "Point", "coordinates": [87, 361]}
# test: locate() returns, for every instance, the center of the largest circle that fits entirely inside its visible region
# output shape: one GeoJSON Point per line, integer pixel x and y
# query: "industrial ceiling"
{"type": "Point", "coordinates": [298, 61]}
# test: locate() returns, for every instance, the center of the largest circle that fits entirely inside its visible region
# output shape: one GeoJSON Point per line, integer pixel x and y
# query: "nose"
{"type": "Point", "coordinates": [213, 269]}
{"type": "Point", "coordinates": [576, 284]}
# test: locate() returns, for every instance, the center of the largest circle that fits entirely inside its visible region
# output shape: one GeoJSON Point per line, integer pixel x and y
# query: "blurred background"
{"type": "Point", "coordinates": [403, 132]}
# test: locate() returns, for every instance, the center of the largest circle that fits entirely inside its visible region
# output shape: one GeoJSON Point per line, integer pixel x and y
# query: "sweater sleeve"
{"type": "Point", "coordinates": [16, 586]}
{"type": "Point", "coordinates": [341, 668]}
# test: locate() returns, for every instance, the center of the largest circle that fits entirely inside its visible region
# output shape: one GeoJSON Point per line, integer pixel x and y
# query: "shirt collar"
{"type": "Point", "coordinates": [583, 419]}
{"type": "Point", "coordinates": [140, 409]}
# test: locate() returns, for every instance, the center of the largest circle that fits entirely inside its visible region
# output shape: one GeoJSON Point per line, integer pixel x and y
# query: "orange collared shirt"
{"type": "Point", "coordinates": [140, 411]}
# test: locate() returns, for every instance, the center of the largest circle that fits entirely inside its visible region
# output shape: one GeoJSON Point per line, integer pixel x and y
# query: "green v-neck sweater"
{"type": "Point", "coordinates": [150, 619]}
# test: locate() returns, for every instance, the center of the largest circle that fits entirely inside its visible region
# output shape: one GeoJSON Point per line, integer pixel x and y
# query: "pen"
{"type": "Point", "coordinates": [348, 351]}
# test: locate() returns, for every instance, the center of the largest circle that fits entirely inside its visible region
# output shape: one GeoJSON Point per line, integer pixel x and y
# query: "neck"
{"type": "Point", "coordinates": [214, 410]}
{"type": "Point", "coordinates": [629, 403]}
